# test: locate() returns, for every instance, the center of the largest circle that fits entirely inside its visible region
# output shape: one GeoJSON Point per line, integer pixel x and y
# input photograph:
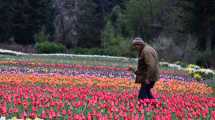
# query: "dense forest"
{"type": "Point", "coordinates": [184, 27]}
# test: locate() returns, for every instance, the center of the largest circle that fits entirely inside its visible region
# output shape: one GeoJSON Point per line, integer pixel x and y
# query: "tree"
{"type": "Point", "coordinates": [5, 20]}
{"type": "Point", "coordinates": [80, 23]}
{"type": "Point", "coordinates": [91, 23]}
{"type": "Point", "coordinates": [139, 15]}
{"type": "Point", "coordinates": [198, 18]}
{"type": "Point", "coordinates": [25, 18]}
{"type": "Point", "coordinates": [66, 22]}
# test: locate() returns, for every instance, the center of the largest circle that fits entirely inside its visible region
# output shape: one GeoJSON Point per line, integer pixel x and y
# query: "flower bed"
{"type": "Point", "coordinates": [84, 97]}
{"type": "Point", "coordinates": [79, 92]}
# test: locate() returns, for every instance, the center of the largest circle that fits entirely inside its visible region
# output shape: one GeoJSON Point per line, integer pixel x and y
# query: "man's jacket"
{"type": "Point", "coordinates": [148, 65]}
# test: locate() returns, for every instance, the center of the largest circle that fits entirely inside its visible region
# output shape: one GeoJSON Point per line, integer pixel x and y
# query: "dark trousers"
{"type": "Point", "coordinates": [145, 91]}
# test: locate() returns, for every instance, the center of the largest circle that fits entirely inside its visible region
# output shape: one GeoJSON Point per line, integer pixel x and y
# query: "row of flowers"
{"type": "Point", "coordinates": [170, 86]}
{"type": "Point", "coordinates": [194, 70]}
{"type": "Point", "coordinates": [68, 69]}
{"type": "Point", "coordinates": [200, 73]}
{"type": "Point", "coordinates": [167, 74]}
{"type": "Point", "coordinates": [190, 68]}
{"type": "Point", "coordinates": [64, 71]}
{"type": "Point", "coordinates": [55, 79]}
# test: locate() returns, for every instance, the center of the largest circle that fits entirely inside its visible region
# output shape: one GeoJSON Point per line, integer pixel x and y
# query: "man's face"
{"type": "Point", "coordinates": [138, 46]}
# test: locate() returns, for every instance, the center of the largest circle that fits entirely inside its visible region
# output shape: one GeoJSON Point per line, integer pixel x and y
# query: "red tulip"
{"type": "Point", "coordinates": [3, 109]}
{"type": "Point", "coordinates": [34, 109]}
{"type": "Point", "coordinates": [15, 110]}
{"type": "Point", "coordinates": [64, 112]}
{"type": "Point", "coordinates": [24, 115]}
{"type": "Point", "coordinates": [33, 115]}
{"type": "Point", "coordinates": [43, 115]}
{"type": "Point", "coordinates": [89, 117]}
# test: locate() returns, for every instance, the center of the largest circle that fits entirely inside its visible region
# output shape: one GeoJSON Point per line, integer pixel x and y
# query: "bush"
{"type": "Point", "coordinates": [197, 76]}
{"type": "Point", "coordinates": [199, 73]}
{"type": "Point", "coordinates": [50, 47]}
{"type": "Point", "coordinates": [41, 37]}
{"type": "Point", "coordinates": [117, 46]}
{"type": "Point", "coordinates": [206, 59]}
{"type": "Point", "coordinates": [120, 46]}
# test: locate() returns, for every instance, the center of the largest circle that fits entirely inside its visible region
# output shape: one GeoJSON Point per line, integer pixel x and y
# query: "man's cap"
{"type": "Point", "coordinates": [137, 40]}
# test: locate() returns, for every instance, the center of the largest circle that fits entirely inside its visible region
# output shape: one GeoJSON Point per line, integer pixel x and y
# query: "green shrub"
{"type": "Point", "coordinates": [120, 46]}
{"type": "Point", "coordinates": [117, 46]}
{"type": "Point", "coordinates": [41, 37]}
{"type": "Point", "coordinates": [205, 59]}
{"type": "Point", "coordinates": [197, 76]}
{"type": "Point", "coordinates": [50, 47]}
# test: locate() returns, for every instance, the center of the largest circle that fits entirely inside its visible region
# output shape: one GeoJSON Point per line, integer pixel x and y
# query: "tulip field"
{"type": "Point", "coordinates": [39, 89]}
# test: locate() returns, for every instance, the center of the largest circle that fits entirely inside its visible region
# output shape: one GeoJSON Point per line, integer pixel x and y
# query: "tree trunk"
{"type": "Point", "coordinates": [209, 41]}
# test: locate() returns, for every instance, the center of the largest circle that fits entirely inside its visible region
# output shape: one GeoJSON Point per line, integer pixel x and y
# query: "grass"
{"type": "Point", "coordinates": [100, 61]}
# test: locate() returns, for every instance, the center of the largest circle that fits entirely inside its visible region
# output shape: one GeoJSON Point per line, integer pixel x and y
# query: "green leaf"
{"type": "Point", "coordinates": [146, 116]}
{"type": "Point", "coordinates": [174, 116]}
{"type": "Point", "coordinates": [55, 108]}
{"type": "Point", "coordinates": [66, 117]}
{"type": "Point", "coordinates": [39, 112]}
{"type": "Point", "coordinates": [30, 108]}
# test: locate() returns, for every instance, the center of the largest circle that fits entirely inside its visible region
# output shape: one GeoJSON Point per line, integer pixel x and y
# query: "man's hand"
{"type": "Point", "coordinates": [130, 68]}
{"type": "Point", "coordinates": [147, 81]}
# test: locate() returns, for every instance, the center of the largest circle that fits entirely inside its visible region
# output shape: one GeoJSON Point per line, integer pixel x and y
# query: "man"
{"type": "Point", "coordinates": [147, 72]}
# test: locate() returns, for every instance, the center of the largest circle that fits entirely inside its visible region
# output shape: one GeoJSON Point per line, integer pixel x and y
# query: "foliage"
{"type": "Point", "coordinates": [90, 23]}
{"type": "Point", "coordinates": [24, 18]}
{"type": "Point", "coordinates": [198, 17]}
{"type": "Point", "coordinates": [108, 25]}
{"type": "Point", "coordinates": [205, 59]}
{"type": "Point", "coordinates": [50, 47]}
{"type": "Point", "coordinates": [41, 37]}
{"type": "Point", "coordinates": [113, 41]}
{"type": "Point", "coordinates": [139, 15]}
{"type": "Point", "coordinates": [197, 76]}
{"type": "Point", "coordinates": [5, 20]}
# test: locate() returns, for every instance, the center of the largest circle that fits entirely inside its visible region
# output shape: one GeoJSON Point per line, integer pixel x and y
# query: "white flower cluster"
{"type": "Point", "coordinates": [196, 68]}
{"type": "Point", "coordinates": [2, 118]}
{"type": "Point", "coordinates": [207, 71]}
{"type": "Point", "coordinates": [191, 69]}
{"type": "Point", "coordinates": [11, 52]}
{"type": "Point", "coordinates": [175, 66]}
{"type": "Point", "coordinates": [14, 118]}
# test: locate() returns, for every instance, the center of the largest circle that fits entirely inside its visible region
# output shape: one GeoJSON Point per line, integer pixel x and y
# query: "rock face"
{"type": "Point", "coordinates": [78, 21]}
{"type": "Point", "coordinates": [66, 21]}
